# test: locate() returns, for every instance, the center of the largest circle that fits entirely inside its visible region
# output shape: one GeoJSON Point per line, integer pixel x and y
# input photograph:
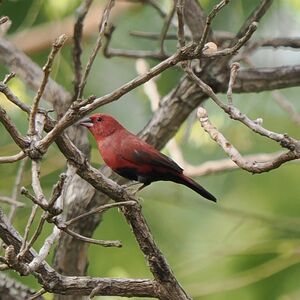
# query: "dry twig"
{"type": "Point", "coordinates": [180, 17]}
{"type": "Point", "coordinates": [81, 11]}
{"type": "Point", "coordinates": [217, 8]}
{"type": "Point", "coordinates": [57, 45]}
{"type": "Point", "coordinates": [235, 156]}
{"type": "Point", "coordinates": [102, 28]}
{"type": "Point", "coordinates": [12, 158]}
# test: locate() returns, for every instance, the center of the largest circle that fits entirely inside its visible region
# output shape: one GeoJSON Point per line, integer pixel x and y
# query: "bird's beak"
{"type": "Point", "coordinates": [86, 122]}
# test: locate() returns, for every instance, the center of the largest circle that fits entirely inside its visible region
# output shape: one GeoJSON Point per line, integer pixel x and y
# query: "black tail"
{"type": "Point", "coordinates": [196, 187]}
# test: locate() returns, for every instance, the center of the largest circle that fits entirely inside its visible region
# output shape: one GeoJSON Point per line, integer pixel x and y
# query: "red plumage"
{"type": "Point", "coordinates": [132, 158]}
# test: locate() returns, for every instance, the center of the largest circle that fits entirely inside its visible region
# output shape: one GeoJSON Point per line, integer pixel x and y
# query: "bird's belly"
{"type": "Point", "coordinates": [145, 175]}
{"type": "Point", "coordinates": [127, 172]}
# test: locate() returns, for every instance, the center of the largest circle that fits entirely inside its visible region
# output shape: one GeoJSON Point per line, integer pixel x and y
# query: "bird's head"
{"type": "Point", "coordinates": [101, 125]}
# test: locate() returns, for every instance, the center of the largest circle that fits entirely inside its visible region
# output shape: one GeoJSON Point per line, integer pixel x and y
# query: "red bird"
{"type": "Point", "coordinates": [134, 159]}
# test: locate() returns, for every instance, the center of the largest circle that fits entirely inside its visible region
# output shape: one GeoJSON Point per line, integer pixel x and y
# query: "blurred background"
{"type": "Point", "coordinates": [247, 246]}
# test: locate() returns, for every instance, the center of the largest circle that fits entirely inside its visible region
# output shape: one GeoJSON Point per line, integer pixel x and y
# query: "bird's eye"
{"type": "Point", "coordinates": [99, 119]}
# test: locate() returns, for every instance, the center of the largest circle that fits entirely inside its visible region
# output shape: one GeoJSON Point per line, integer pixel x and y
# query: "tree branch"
{"type": "Point", "coordinates": [81, 11]}
{"type": "Point", "coordinates": [235, 156]}
{"type": "Point", "coordinates": [76, 285]}
{"type": "Point", "coordinates": [12, 158]}
{"type": "Point", "coordinates": [57, 45]}
{"type": "Point", "coordinates": [22, 142]}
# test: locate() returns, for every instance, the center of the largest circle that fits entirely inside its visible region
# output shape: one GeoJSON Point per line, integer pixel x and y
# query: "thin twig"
{"type": "Point", "coordinates": [154, 4]}
{"type": "Point", "coordinates": [39, 120]}
{"type": "Point", "coordinates": [44, 251]}
{"type": "Point", "coordinates": [157, 55]}
{"type": "Point", "coordinates": [58, 43]}
{"type": "Point", "coordinates": [233, 153]}
{"type": "Point", "coordinates": [241, 42]}
{"type": "Point", "coordinates": [13, 98]}
{"type": "Point", "coordinates": [109, 52]}
{"type": "Point", "coordinates": [180, 17]}
{"type": "Point", "coordinates": [28, 226]}
{"type": "Point", "coordinates": [8, 77]}
{"type": "Point", "coordinates": [11, 201]}
{"type": "Point", "coordinates": [37, 294]}
{"type": "Point", "coordinates": [28, 195]}
{"type": "Point", "coordinates": [234, 68]}
{"type": "Point", "coordinates": [274, 43]}
{"type": "Point", "coordinates": [216, 9]}
{"type": "Point", "coordinates": [104, 243]}
{"type": "Point", "coordinates": [47, 215]}
{"type": "Point", "coordinates": [287, 106]}
{"type": "Point", "coordinates": [165, 29]}
{"type": "Point", "coordinates": [99, 209]}
{"type": "Point", "coordinates": [12, 158]}
{"type": "Point", "coordinates": [255, 16]}
{"type": "Point", "coordinates": [81, 11]}
{"type": "Point", "coordinates": [22, 142]}
{"type": "Point", "coordinates": [36, 184]}
{"type": "Point", "coordinates": [17, 189]}
{"type": "Point", "coordinates": [226, 164]}
{"type": "Point", "coordinates": [102, 28]}
{"type": "Point", "coordinates": [44, 205]}
{"type": "Point", "coordinates": [152, 35]}
{"type": "Point", "coordinates": [34, 237]}
{"type": "Point", "coordinates": [283, 139]}
{"type": "Point", "coordinates": [57, 190]}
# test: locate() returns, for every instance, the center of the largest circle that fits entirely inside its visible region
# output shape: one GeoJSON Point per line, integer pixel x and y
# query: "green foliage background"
{"type": "Point", "coordinates": [246, 246]}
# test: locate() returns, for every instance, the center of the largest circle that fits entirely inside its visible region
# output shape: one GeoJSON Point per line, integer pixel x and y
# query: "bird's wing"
{"type": "Point", "coordinates": [156, 159]}
{"type": "Point", "coordinates": [139, 152]}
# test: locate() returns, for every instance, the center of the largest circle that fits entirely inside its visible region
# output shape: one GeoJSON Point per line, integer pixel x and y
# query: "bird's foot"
{"type": "Point", "coordinates": [130, 184]}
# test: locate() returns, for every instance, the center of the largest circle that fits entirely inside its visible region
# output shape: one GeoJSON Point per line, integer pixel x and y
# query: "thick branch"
{"type": "Point", "coordinates": [264, 79]}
